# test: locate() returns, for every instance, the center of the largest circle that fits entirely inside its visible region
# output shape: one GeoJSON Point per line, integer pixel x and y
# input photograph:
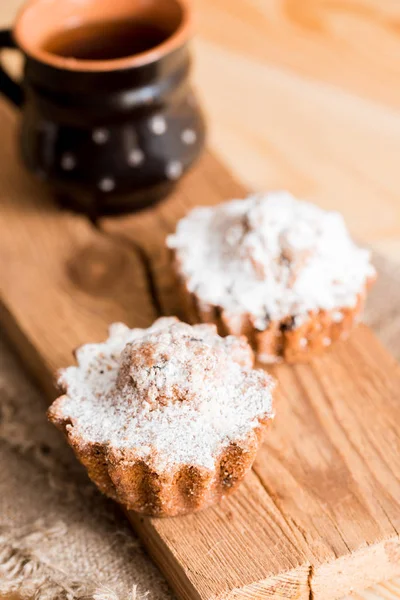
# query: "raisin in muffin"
{"type": "Point", "coordinates": [283, 272]}
{"type": "Point", "coordinates": [167, 420]}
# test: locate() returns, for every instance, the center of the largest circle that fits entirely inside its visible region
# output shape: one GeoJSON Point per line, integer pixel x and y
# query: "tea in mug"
{"type": "Point", "coordinates": [106, 40]}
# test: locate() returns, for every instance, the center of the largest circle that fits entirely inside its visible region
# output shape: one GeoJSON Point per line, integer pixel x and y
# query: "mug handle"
{"type": "Point", "coordinates": [8, 86]}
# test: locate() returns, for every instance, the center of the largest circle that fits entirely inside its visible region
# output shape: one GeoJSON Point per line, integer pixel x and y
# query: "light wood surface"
{"type": "Point", "coordinates": [319, 514]}
{"type": "Point", "coordinates": [305, 95]}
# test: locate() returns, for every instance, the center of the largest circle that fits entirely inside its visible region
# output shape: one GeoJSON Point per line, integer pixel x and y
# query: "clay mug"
{"type": "Point", "coordinates": [108, 115]}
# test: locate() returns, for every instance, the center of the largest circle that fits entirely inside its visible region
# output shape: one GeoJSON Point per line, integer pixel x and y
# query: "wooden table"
{"type": "Point", "coordinates": [306, 91]}
{"type": "Point", "coordinates": [303, 91]}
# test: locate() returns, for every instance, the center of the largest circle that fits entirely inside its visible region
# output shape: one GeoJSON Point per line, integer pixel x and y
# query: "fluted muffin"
{"type": "Point", "coordinates": [167, 420]}
{"type": "Point", "coordinates": [281, 271]}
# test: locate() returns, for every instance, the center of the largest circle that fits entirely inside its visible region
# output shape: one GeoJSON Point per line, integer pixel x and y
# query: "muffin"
{"type": "Point", "coordinates": [167, 420]}
{"type": "Point", "coordinates": [283, 272]}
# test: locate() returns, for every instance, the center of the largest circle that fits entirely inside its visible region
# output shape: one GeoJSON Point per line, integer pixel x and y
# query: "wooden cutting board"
{"type": "Point", "coordinates": [319, 515]}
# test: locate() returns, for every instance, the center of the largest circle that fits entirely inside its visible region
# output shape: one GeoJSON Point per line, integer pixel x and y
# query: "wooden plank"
{"type": "Point", "coordinates": [240, 549]}
{"type": "Point", "coordinates": [351, 490]}
{"type": "Point", "coordinates": [326, 469]}
{"type": "Point", "coordinates": [62, 283]}
{"type": "Point", "coordinates": [322, 504]}
{"type": "Point", "coordinates": [339, 478]}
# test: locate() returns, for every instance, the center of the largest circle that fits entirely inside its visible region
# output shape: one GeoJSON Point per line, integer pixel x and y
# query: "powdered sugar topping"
{"type": "Point", "coordinates": [271, 256]}
{"type": "Point", "coordinates": [171, 395]}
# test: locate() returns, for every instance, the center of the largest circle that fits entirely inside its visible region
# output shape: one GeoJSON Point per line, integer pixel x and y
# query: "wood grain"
{"type": "Point", "coordinates": [319, 514]}
{"type": "Point", "coordinates": [332, 479]}
{"type": "Point", "coordinates": [316, 110]}
{"type": "Point", "coordinates": [246, 533]}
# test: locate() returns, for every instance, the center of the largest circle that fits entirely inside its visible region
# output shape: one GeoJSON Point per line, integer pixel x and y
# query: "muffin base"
{"type": "Point", "coordinates": [180, 490]}
{"type": "Point", "coordinates": [284, 340]}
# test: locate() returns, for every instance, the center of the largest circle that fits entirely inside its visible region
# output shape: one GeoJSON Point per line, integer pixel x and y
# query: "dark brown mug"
{"type": "Point", "coordinates": [109, 118]}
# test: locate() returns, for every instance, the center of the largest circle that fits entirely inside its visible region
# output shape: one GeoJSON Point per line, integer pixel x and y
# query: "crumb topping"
{"type": "Point", "coordinates": [172, 394]}
{"type": "Point", "coordinates": [270, 256]}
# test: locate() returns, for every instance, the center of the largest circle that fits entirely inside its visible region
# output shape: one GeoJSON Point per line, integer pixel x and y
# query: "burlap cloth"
{"type": "Point", "coordinates": [59, 538]}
